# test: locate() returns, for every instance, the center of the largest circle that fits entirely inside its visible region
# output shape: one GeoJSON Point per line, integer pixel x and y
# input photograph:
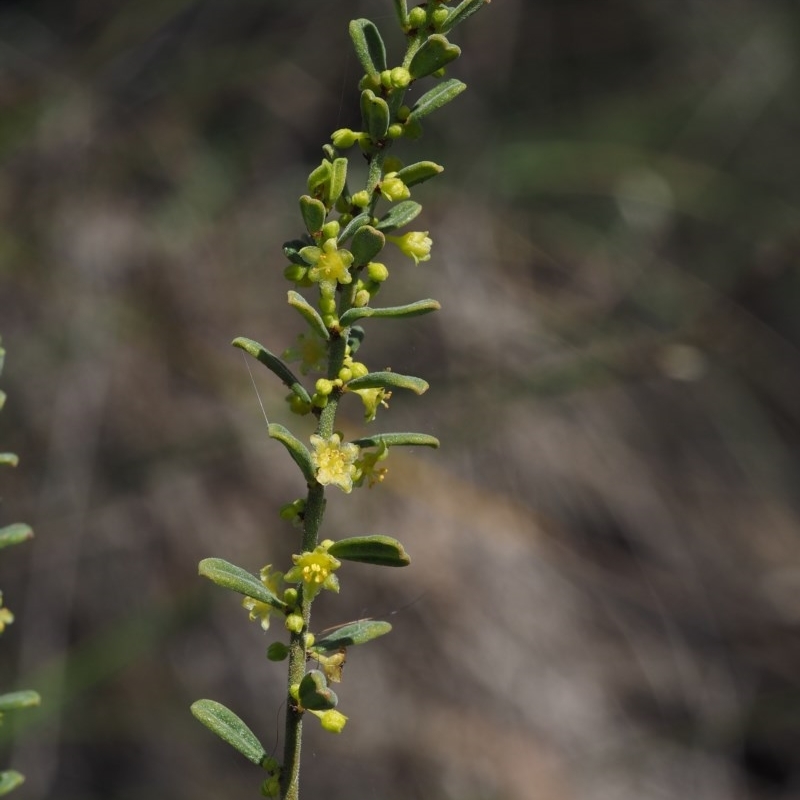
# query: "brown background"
{"type": "Point", "coordinates": [603, 602]}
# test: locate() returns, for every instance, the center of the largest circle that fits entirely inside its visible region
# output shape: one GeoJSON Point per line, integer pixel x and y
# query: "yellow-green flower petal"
{"type": "Point", "coordinates": [415, 244]}
{"type": "Point", "coordinates": [315, 571]}
{"type": "Point", "coordinates": [334, 462]}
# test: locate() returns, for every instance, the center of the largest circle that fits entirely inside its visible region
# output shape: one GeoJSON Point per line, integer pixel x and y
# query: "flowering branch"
{"type": "Point", "coordinates": [336, 259]}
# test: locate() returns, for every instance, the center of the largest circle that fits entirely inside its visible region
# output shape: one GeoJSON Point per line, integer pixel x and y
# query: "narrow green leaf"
{"type": "Point", "coordinates": [375, 113]}
{"type": "Point", "coordinates": [229, 576]}
{"type": "Point", "coordinates": [441, 94]}
{"type": "Point", "coordinates": [376, 549]}
{"type": "Point", "coordinates": [313, 212]}
{"type": "Point", "coordinates": [388, 380]}
{"type": "Point", "coordinates": [274, 364]}
{"type": "Point", "coordinates": [401, 9]}
{"type": "Point", "coordinates": [369, 46]}
{"type": "Point", "coordinates": [230, 728]}
{"type": "Point", "coordinates": [9, 780]}
{"type": "Point", "coordinates": [397, 312]}
{"type": "Point", "coordinates": [12, 459]}
{"type": "Point", "coordinates": [419, 172]}
{"type": "Point", "coordinates": [358, 632]}
{"type": "Point", "coordinates": [435, 53]}
{"type": "Point", "coordinates": [292, 251]}
{"type": "Point", "coordinates": [314, 693]}
{"type": "Point", "coordinates": [297, 450]}
{"type": "Point", "coordinates": [367, 243]}
{"type": "Point", "coordinates": [319, 178]}
{"type": "Point", "coordinates": [398, 216]}
{"type": "Point", "coordinates": [461, 12]}
{"type": "Point", "coordinates": [355, 224]}
{"type": "Point", "coordinates": [25, 698]}
{"type": "Point", "coordinates": [310, 314]}
{"type": "Point", "coordinates": [14, 534]}
{"type": "Point", "coordinates": [337, 181]}
{"type": "Point", "coordinates": [398, 440]}
{"type": "Point", "coordinates": [2, 399]}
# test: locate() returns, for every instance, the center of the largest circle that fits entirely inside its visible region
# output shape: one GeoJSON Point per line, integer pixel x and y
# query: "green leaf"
{"type": "Point", "coordinates": [375, 113]}
{"type": "Point", "coordinates": [369, 46]}
{"type": "Point", "coordinates": [461, 12]}
{"type": "Point", "coordinates": [314, 693]}
{"type": "Point", "coordinates": [419, 172]}
{"type": "Point", "coordinates": [376, 549]}
{"type": "Point", "coordinates": [435, 53]}
{"type": "Point", "coordinates": [358, 632]}
{"type": "Point", "coordinates": [25, 698]}
{"type": "Point", "coordinates": [388, 380]}
{"type": "Point", "coordinates": [229, 576]}
{"type": "Point", "coordinates": [398, 440]}
{"type": "Point", "coordinates": [292, 251]}
{"type": "Point", "coordinates": [310, 314]}
{"type": "Point", "coordinates": [297, 450]}
{"type": "Point", "coordinates": [2, 399]}
{"type": "Point", "coordinates": [14, 534]}
{"type": "Point", "coordinates": [337, 181]}
{"type": "Point", "coordinates": [9, 780]}
{"type": "Point", "coordinates": [274, 364]}
{"type": "Point", "coordinates": [313, 212]}
{"type": "Point", "coordinates": [441, 94]}
{"type": "Point", "coordinates": [401, 9]}
{"type": "Point", "coordinates": [367, 243]}
{"type": "Point", "coordinates": [398, 216]}
{"type": "Point", "coordinates": [230, 728]}
{"type": "Point", "coordinates": [353, 226]}
{"type": "Point", "coordinates": [12, 459]}
{"type": "Point", "coordinates": [396, 312]}
{"type": "Point", "coordinates": [319, 178]}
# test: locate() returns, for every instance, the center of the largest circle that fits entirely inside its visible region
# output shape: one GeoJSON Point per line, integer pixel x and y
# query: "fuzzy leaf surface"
{"type": "Point", "coordinates": [229, 576]}
{"type": "Point", "coordinates": [359, 632]}
{"type": "Point", "coordinates": [383, 551]}
{"type": "Point", "coordinates": [230, 728]}
{"type": "Point", "coordinates": [274, 364]}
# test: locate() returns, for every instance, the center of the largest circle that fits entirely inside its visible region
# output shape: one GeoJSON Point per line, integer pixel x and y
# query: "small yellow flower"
{"type": "Point", "coordinates": [368, 468]}
{"type": "Point", "coordinates": [332, 720]}
{"type": "Point", "coordinates": [315, 570]}
{"type": "Point", "coordinates": [415, 244]}
{"type": "Point", "coordinates": [334, 462]}
{"type": "Point", "coordinates": [372, 398]}
{"type": "Point", "coordinates": [262, 611]}
{"type": "Point", "coordinates": [328, 264]}
{"type": "Point", "coordinates": [393, 188]}
{"type": "Point", "coordinates": [6, 618]}
{"type": "Point", "coordinates": [310, 351]}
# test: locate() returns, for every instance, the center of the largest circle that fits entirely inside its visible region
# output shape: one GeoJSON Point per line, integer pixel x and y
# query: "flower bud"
{"type": "Point", "coordinates": [294, 623]}
{"type": "Point", "coordinates": [377, 272]}
{"type": "Point", "coordinates": [416, 17]}
{"type": "Point", "coordinates": [360, 199]}
{"type": "Point", "coordinates": [400, 77]}
{"type": "Point", "coordinates": [332, 720]}
{"type": "Point", "coordinates": [330, 230]}
{"type": "Point", "coordinates": [344, 137]}
{"type": "Point", "coordinates": [290, 597]}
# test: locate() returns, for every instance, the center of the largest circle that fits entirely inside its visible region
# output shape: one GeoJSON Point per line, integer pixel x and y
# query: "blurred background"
{"type": "Point", "coordinates": [604, 599]}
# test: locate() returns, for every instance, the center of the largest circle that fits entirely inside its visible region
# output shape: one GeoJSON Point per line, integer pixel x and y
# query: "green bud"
{"type": "Point", "coordinates": [290, 597]}
{"type": "Point", "coordinates": [439, 17]}
{"type": "Point", "coordinates": [298, 406]}
{"type": "Point", "coordinates": [295, 273]}
{"type": "Point", "coordinates": [271, 786]}
{"type": "Point", "coordinates": [324, 387]}
{"type": "Point", "coordinates": [344, 138]}
{"type": "Point", "coordinates": [395, 130]}
{"type": "Point", "coordinates": [416, 18]}
{"type": "Point", "coordinates": [361, 299]}
{"type": "Point", "coordinates": [330, 230]}
{"type": "Point", "coordinates": [360, 199]}
{"type": "Point", "coordinates": [403, 113]}
{"type": "Point", "coordinates": [400, 77]}
{"type": "Point", "coordinates": [294, 623]}
{"type": "Point", "coordinates": [377, 272]}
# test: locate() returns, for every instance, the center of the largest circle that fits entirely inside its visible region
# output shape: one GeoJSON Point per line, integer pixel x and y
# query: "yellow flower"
{"type": "Point", "coordinates": [334, 462]}
{"type": "Point", "coordinates": [328, 264]}
{"type": "Point", "coordinates": [273, 581]}
{"type": "Point", "coordinates": [332, 720]}
{"type": "Point", "coordinates": [310, 351]}
{"type": "Point", "coordinates": [368, 468]}
{"type": "Point", "coordinates": [415, 244]}
{"type": "Point", "coordinates": [393, 188]}
{"type": "Point", "coordinates": [315, 570]}
{"type": "Point", "coordinates": [372, 398]}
